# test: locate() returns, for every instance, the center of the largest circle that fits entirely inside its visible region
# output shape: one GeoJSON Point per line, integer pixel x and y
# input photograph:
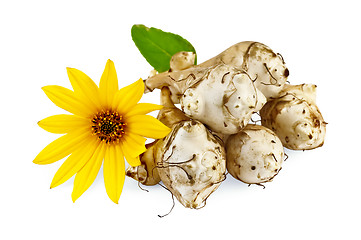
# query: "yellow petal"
{"type": "Point", "coordinates": [132, 160]}
{"type": "Point", "coordinates": [86, 176]}
{"type": "Point", "coordinates": [65, 99]}
{"type": "Point", "coordinates": [62, 147]}
{"type": "Point", "coordinates": [74, 162]}
{"type": "Point", "coordinates": [127, 97]}
{"type": "Point", "coordinates": [114, 172]}
{"type": "Point", "coordinates": [135, 144]}
{"type": "Point", "coordinates": [140, 140]}
{"type": "Point", "coordinates": [147, 126]}
{"type": "Point", "coordinates": [63, 123]}
{"type": "Point", "coordinates": [108, 85]}
{"type": "Point", "coordinates": [143, 108]}
{"type": "Point", "coordinates": [84, 87]}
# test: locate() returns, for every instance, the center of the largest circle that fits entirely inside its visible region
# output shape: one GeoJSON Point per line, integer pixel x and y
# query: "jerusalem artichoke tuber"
{"type": "Point", "coordinates": [254, 155]}
{"type": "Point", "coordinates": [295, 117]}
{"type": "Point", "coordinates": [190, 161]}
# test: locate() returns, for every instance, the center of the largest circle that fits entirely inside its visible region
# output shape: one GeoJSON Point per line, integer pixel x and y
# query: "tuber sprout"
{"type": "Point", "coordinates": [182, 60]}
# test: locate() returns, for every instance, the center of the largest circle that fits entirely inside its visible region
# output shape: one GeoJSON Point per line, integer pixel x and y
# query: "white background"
{"type": "Point", "coordinates": [315, 196]}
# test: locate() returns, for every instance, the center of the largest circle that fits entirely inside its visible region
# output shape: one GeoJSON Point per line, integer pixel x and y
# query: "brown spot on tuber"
{"type": "Point", "coordinates": [286, 73]}
{"type": "Point", "coordinates": [317, 123]}
{"type": "Point", "coordinates": [253, 167]}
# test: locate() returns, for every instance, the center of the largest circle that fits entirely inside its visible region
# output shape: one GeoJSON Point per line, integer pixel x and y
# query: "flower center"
{"type": "Point", "coordinates": [108, 126]}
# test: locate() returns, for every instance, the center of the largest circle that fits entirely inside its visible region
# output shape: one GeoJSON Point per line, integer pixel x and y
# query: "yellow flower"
{"type": "Point", "coordinates": [106, 124]}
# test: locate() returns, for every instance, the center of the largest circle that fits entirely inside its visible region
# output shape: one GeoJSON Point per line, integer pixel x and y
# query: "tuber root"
{"type": "Point", "coordinates": [254, 155]}
{"type": "Point", "coordinates": [295, 117]}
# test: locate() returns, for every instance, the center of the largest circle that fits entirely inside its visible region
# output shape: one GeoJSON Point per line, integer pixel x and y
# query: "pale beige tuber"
{"type": "Point", "coordinates": [254, 155]}
{"type": "Point", "coordinates": [190, 161]}
{"type": "Point", "coordinates": [295, 117]}
{"type": "Point", "coordinates": [224, 100]}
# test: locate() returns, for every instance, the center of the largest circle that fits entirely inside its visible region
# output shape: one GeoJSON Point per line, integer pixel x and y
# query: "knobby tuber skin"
{"type": "Point", "coordinates": [295, 117]}
{"type": "Point", "coordinates": [176, 81]}
{"type": "Point", "coordinates": [224, 100]}
{"type": "Point", "coordinates": [190, 161]}
{"type": "Point", "coordinates": [264, 66]}
{"type": "Point", "coordinates": [254, 155]}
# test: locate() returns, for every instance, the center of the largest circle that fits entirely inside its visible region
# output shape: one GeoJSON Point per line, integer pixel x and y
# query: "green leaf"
{"type": "Point", "coordinates": [157, 47]}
